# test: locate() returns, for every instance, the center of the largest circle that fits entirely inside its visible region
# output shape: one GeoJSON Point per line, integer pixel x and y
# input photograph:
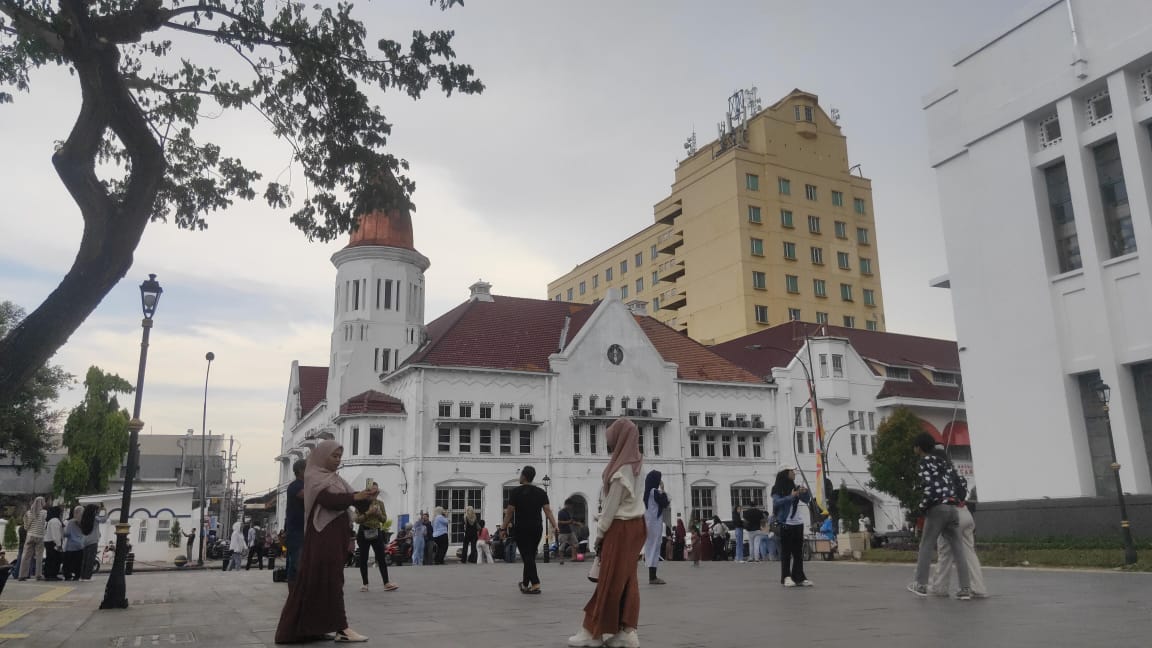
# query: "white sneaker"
{"type": "Point", "coordinates": [788, 582]}
{"type": "Point", "coordinates": [807, 583]}
{"type": "Point", "coordinates": [584, 638]}
{"type": "Point", "coordinates": [624, 639]}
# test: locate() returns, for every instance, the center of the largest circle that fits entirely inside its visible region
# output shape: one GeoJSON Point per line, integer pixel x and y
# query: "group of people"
{"type": "Point", "coordinates": [248, 545]}
{"type": "Point", "coordinates": [56, 548]}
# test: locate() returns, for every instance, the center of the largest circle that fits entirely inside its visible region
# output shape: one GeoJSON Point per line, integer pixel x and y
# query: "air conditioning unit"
{"type": "Point", "coordinates": [599, 411]}
{"type": "Point", "coordinates": [724, 422]}
{"type": "Point", "coordinates": [528, 417]}
{"type": "Point", "coordinates": [758, 424]}
{"type": "Point", "coordinates": [645, 413]}
{"type": "Point", "coordinates": [582, 413]}
{"type": "Point", "coordinates": [633, 412]}
{"type": "Point", "coordinates": [745, 424]}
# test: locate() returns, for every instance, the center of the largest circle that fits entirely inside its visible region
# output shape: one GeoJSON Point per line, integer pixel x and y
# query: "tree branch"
{"type": "Point", "coordinates": [29, 25]}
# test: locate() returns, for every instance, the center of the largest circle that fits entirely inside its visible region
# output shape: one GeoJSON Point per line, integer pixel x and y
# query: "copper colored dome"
{"type": "Point", "coordinates": [389, 229]}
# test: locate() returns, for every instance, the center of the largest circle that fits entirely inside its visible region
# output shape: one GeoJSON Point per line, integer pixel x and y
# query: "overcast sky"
{"type": "Point", "coordinates": [577, 136]}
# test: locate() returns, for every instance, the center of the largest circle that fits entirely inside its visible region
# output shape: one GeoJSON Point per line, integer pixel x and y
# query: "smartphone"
{"type": "Point", "coordinates": [369, 483]}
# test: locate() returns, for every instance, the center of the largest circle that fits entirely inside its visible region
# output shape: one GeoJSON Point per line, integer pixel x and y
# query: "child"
{"type": "Point", "coordinates": [695, 551]}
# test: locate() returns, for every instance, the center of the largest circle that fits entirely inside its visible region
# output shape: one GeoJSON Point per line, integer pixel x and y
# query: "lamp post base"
{"type": "Point", "coordinates": [116, 592]}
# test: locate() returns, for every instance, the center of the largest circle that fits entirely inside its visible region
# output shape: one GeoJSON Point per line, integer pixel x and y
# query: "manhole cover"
{"type": "Point", "coordinates": [155, 640]}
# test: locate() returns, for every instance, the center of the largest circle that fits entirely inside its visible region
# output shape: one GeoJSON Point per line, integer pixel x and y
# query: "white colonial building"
{"type": "Point", "coordinates": [447, 414]}
{"type": "Point", "coordinates": [1040, 141]}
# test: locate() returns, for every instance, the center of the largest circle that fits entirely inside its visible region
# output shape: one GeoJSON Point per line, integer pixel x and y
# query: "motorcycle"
{"type": "Point", "coordinates": [216, 550]}
{"type": "Point", "coordinates": [398, 552]}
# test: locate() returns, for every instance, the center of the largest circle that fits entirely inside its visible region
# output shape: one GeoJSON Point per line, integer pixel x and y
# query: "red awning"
{"type": "Point", "coordinates": [931, 429]}
{"type": "Point", "coordinates": [956, 434]}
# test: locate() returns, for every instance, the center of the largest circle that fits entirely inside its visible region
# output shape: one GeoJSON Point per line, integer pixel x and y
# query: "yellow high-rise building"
{"type": "Point", "coordinates": [763, 225]}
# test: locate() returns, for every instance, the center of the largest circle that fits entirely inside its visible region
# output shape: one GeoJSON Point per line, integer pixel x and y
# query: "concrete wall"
{"type": "Point", "coordinates": [1087, 517]}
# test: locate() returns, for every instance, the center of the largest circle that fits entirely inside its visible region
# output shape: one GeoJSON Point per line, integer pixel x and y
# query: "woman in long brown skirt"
{"type": "Point", "coordinates": [314, 610]}
{"type": "Point", "coordinates": [614, 608]}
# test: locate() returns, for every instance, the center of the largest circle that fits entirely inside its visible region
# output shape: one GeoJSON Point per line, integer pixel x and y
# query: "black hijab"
{"type": "Point", "coordinates": [651, 483]}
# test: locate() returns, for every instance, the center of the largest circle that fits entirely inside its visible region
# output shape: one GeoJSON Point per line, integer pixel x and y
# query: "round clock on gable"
{"type": "Point", "coordinates": [615, 354]}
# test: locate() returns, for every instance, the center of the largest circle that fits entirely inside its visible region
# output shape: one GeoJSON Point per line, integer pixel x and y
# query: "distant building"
{"type": "Point", "coordinates": [764, 225]}
{"type": "Point", "coordinates": [174, 461]}
{"type": "Point", "coordinates": [154, 515]}
{"type": "Point", "coordinates": [1040, 140]}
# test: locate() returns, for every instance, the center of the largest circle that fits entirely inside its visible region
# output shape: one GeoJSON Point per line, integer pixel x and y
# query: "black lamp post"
{"type": "Point", "coordinates": [204, 461]}
{"type": "Point", "coordinates": [547, 483]}
{"type": "Point", "coordinates": [1104, 394]}
{"type": "Point", "coordinates": [115, 593]}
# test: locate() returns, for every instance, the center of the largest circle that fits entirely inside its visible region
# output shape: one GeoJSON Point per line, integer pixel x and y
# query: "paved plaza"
{"type": "Point", "coordinates": [718, 604]}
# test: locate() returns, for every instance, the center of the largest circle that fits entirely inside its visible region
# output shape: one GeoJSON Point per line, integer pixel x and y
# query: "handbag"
{"type": "Point", "coordinates": [371, 534]}
{"type": "Point", "coordinates": [594, 571]}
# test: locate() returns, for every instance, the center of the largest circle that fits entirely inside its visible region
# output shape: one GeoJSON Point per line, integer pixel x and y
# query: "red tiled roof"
{"type": "Point", "coordinates": [313, 387]}
{"type": "Point", "coordinates": [695, 361]}
{"type": "Point", "coordinates": [879, 347]}
{"type": "Point", "coordinates": [520, 334]}
{"type": "Point", "coordinates": [372, 402]}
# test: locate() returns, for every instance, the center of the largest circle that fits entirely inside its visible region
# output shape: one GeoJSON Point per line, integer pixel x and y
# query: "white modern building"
{"type": "Point", "coordinates": [154, 515]}
{"type": "Point", "coordinates": [1040, 141]}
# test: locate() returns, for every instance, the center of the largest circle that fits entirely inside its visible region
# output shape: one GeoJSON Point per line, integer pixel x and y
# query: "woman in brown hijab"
{"type": "Point", "coordinates": [615, 605]}
{"type": "Point", "coordinates": [315, 607]}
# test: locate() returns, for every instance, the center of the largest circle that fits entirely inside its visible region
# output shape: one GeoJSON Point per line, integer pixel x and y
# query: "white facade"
{"type": "Point", "coordinates": [1045, 304]}
{"type": "Point", "coordinates": [153, 513]}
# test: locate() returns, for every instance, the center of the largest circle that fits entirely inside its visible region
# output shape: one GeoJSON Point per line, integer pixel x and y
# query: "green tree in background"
{"type": "Point", "coordinates": [27, 420]}
{"type": "Point", "coordinates": [149, 73]}
{"type": "Point", "coordinates": [174, 534]}
{"type": "Point", "coordinates": [892, 463]}
{"type": "Point", "coordinates": [96, 436]}
{"type": "Point", "coordinates": [848, 511]}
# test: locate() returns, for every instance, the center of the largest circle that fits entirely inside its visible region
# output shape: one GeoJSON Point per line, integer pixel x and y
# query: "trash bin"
{"type": "Point", "coordinates": [129, 562]}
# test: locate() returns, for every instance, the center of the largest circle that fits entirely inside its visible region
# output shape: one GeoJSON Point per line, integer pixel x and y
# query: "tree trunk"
{"type": "Point", "coordinates": [112, 228]}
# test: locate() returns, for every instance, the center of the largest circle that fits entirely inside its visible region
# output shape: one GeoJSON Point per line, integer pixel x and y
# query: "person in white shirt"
{"type": "Point", "coordinates": [614, 608]}
{"type": "Point", "coordinates": [53, 544]}
{"type": "Point", "coordinates": [239, 546]}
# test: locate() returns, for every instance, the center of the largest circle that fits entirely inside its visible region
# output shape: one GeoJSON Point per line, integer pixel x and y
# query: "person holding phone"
{"type": "Point", "coordinates": [786, 499]}
{"type": "Point", "coordinates": [370, 535]}
{"type": "Point", "coordinates": [315, 605]}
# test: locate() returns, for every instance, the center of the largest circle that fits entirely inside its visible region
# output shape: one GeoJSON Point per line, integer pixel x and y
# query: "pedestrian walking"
{"type": "Point", "coordinates": [484, 545]}
{"type": "Point", "coordinates": [786, 500]}
{"type": "Point", "coordinates": [257, 538]}
{"type": "Point", "coordinates": [942, 492]}
{"type": "Point", "coordinates": [73, 545]}
{"type": "Point", "coordinates": [471, 535]}
{"type": "Point", "coordinates": [90, 525]}
{"type": "Point", "coordinates": [526, 502]}
{"type": "Point", "coordinates": [238, 544]}
{"type": "Point", "coordinates": [35, 524]}
{"type": "Point", "coordinates": [419, 535]}
{"type": "Point", "coordinates": [294, 522]}
{"type": "Point", "coordinates": [941, 576]}
{"type": "Point", "coordinates": [614, 608]}
{"type": "Point", "coordinates": [566, 531]}
{"type": "Point", "coordinates": [720, 535]}
{"type": "Point", "coordinates": [655, 502]}
{"type": "Point", "coordinates": [440, 526]}
{"type": "Point", "coordinates": [680, 539]}
{"type": "Point", "coordinates": [53, 544]}
{"type": "Point", "coordinates": [370, 535]}
{"type": "Point", "coordinates": [315, 605]}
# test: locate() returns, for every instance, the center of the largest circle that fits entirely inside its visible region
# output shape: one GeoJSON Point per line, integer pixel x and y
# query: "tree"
{"type": "Point", "coordinates": [27, 419]}
{"type": "Point", "coordinates": [892, 463]}
{"type": "Point", "coordinates": [848, 511]}
{"type": "Point", "coordinates": [303, 71]}
{"type": "Point", "coordinates": [174, 534]}
{"type": "Point", "coordinates": [96, 436]}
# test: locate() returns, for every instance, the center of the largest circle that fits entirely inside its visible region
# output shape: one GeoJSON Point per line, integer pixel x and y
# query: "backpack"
{"type": "Point", "coordinates": [259, 537]}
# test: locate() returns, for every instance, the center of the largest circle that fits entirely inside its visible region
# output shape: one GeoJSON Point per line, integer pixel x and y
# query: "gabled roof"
{"type": "Point", "coordinates": [876, 347]}
{"type": "Point", "coordinates": [372, 402]}
{"type": "Point", "coordinates": [516, 333]}
{"type": "Point", "coordinates": [313, 387]}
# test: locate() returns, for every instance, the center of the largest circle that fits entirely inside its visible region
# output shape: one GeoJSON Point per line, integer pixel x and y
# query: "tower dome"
{"type": "Point", "coordinates": [391, 228]}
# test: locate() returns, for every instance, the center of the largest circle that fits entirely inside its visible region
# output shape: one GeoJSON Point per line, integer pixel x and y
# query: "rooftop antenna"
{"type": "Point", "coordinates": [690, 143]}
{"type": "Point", "coordinates": [836, 116]}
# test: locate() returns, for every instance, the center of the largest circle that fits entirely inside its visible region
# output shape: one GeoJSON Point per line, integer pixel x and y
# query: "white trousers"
{"type": "Point", "coordinates": [485, 552]}
{"type": "Point", "coordinates": [941, 576]}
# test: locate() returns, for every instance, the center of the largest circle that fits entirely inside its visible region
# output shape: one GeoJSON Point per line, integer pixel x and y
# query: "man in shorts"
{"type": "Point", "coordinates": [566, 531]}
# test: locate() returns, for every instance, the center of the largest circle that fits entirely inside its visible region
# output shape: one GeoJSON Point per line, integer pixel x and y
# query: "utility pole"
{"type": "Point", "coordinates": [226, 513]}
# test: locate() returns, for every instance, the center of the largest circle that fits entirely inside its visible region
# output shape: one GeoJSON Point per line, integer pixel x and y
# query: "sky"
{"type": "Point", "coordinates": [574, 140]}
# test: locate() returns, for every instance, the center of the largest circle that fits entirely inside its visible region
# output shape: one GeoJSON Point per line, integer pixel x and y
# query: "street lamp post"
{"type": "Point", "coordinates": [547, 483]}
{"type": "Point", "coordinates": [1104, 393]}
{"type": "Point", "coordinates": [115, 592]}
{"type": "Point", "coordinates": [204, 461]}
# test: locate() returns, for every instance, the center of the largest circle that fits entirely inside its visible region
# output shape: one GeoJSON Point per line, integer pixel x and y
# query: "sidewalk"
{"type": "Point", "coordinates": [718, 605]}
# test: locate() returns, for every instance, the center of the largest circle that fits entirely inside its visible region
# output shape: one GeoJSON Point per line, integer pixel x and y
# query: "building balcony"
{"type": "Point", "coordinates": [600, 414]}
{"type": "Point", "coordinates": [669, 241]}
{"type": "Point", "coordinates": [739, 426]}
{"type": "Point", "coordinates": [677, 324]}
{"type": "Point", "coordinates": [806, 129]}
{"type": "Point", "coordinates": [495, 424]}
{"type": "Point", "coordinates": [672, 270]}
{"type": "Point", "coordinates": [666, 214]}
{"type": "Point", "coordinates": [673, 299]}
